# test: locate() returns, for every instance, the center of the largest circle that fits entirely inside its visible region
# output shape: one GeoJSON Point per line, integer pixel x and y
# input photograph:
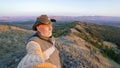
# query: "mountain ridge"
{"type": "Point", "coordinates": [102, 20]}
{"type": "Point", "coordinates": [77, 46]}
{"type": "Point", "coordinates": [60, 18]}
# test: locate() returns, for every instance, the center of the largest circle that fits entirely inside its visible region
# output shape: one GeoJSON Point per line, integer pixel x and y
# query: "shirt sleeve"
{"type": "Point", "coordinates": [34, 55]}
{"type": "Point", "coordinates": [34, 48]}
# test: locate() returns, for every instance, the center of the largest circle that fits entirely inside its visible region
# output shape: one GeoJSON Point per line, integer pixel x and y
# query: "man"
{"type": "Point", "coordinates": [41, 51]}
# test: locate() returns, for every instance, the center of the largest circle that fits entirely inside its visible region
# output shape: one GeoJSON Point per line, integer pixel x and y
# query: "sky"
{"type": "Point", "coordinates": [60, 7]}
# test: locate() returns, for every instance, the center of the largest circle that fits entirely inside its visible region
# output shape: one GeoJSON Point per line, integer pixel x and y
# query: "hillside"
{"type": "Point", "coordinates": [78, 46]}
{"type": "Point", "coordinates": [12, 45]}
{"type": "Point", "coordinates": [76, 35]}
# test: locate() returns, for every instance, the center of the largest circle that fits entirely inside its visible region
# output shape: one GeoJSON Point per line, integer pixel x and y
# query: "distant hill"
{"type": "Point", "coordinates": [17, 18]}
{"type": "Point", "coordinates": [103, 20]}
{"type": "Point", "coordinates": [86, 18]}
{"type": "Point", "coordinates": [81, 45]}
{"type": "Point", "coordinates": [60, 18]}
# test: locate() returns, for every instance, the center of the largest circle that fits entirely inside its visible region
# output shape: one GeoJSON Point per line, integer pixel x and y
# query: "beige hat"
{"type": "Point", "coordinates": [43, 19]}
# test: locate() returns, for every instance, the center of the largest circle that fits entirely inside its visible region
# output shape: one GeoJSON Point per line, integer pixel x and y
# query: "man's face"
{"type": "Point", "coordinates": [45, 30]}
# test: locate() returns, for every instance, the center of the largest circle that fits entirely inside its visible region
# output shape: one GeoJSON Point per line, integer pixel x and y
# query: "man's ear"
{"type": "Point", "coordinates": [37, 27]}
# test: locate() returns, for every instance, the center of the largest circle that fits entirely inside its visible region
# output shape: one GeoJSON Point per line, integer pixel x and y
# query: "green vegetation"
{"type": "Point", "coordinates": [97, 34]}
{"type": "Point", "coordinates": [62, 29]}
{"type": "Point", "coordinates": [108, 52]}
{"type": "Point", "coordinates": [104, 33]}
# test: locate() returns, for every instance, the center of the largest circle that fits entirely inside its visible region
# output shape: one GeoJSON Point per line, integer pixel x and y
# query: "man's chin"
{"type": "Point", "coordinates": [47, 35]}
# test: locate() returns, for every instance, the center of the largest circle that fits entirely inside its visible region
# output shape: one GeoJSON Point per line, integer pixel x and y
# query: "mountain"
{"type": "Point", "coordinates": [60, 18]}
{"type": "Point", "coordinates": [102, 20]}
{"type": "Point", "coordinates": [81, 45]}
{"type": "Point", "coordinates": [86, 18]}
{"type": "Point", "coordinates": [17, 18]}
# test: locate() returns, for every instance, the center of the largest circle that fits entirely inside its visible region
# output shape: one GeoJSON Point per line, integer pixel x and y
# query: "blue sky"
{"type": "Point", "coordinates": [60, 7]}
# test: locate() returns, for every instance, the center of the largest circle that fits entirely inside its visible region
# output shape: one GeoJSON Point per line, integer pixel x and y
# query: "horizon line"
{"type": "Point", "coordinates": [57, 15]}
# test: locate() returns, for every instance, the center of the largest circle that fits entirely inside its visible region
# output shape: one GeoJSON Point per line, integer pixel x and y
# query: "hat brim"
{"type": "Point", "coordinates": [39, 23]}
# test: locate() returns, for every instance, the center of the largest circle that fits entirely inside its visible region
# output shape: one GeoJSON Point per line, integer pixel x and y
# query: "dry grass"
{"type": "Point", "coordinates": [12, 45]}
{"type": "Point", "coordinates": [75, 51]}
{"type": "Point", "coordinates": [79, 55]}
{"type": "Point", "coordinates": [4, 28]}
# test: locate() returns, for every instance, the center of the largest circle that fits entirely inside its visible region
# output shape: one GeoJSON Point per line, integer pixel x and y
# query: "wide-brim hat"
{"type": "Point", "coordinates": [43, 19]}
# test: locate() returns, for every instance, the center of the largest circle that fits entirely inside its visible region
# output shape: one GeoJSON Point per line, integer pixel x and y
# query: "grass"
{"type": "Point", "coordinates": [12, 45]}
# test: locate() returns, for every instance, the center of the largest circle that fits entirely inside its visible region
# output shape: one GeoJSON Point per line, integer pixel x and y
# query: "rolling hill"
{"type": "Point", "coordinates": [81, 45]}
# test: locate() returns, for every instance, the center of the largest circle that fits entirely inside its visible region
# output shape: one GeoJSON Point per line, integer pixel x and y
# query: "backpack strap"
{"type": "Point", "coordinates": [48, 52]}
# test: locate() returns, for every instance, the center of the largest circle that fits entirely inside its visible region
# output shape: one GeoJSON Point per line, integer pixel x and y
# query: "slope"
{"type": "Point", "coordinates": [78, 46]}
{"type": "Point", "coordinates": [12, 45]}
{"type": "Point", "coordinates": [84, 47]}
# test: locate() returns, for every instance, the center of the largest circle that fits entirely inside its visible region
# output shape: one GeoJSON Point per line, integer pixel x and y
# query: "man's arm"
{"type": "Point", "coordinates": [34, 48]}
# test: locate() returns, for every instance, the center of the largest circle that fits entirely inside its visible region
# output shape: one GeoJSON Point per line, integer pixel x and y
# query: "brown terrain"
{"type": "Point", "coordinates": [75, 51]}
